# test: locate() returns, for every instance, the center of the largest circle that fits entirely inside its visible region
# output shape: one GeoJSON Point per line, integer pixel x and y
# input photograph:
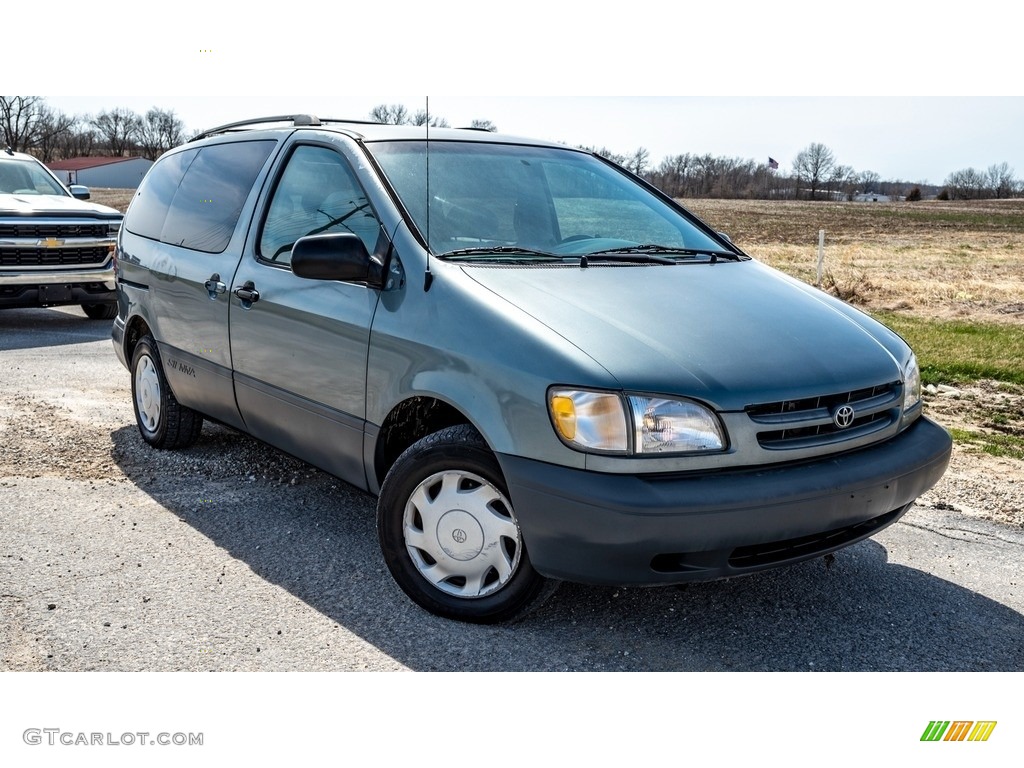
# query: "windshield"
{"type": "Point", "coordinates": [23, 177]}
{"type": "Point", "coordinates": [531, 203]}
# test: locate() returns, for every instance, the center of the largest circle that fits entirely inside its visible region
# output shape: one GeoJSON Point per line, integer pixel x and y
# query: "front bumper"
{"type": "Point", "coordinates": [655, 529]}
{"type": "Point", "coordinates": [45, 289]}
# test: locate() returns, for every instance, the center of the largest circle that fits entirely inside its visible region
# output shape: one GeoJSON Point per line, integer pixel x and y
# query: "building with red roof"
{"type": "Point", "coordinates": [112, 172]}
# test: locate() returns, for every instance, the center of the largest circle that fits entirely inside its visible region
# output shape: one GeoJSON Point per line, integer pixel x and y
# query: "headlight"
{"type": "Point", "coordinates": [911, 384]}
{"type": "Point", "coordinates": [664, 425]}
{"type": "Point", "coordinates": [601, 422]}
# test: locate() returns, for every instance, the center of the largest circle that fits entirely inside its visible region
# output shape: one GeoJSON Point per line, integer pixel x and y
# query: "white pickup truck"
{"type": "Point", "coordinates": [55, 248]}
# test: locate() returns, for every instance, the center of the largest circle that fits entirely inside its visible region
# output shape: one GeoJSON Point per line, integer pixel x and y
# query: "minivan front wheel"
{"type": "Point", "coordinates": [163, 421]}
{"type": "Point", "coordinates": [449, 534]}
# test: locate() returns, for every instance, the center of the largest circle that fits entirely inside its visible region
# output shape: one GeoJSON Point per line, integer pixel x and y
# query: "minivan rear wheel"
{"type": "Point", "coordinates": [449, 534]}
{"type": "Point", "coordinates": [163, 421]}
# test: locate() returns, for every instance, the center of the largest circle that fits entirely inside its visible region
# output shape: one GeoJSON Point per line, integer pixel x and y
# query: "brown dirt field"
{"type": "Point", "coordinates": [933, 259]}
{"type": "Point", "coordinates": [115, 198]}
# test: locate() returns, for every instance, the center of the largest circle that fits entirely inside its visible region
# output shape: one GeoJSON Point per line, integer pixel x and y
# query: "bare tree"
{"type": "Point", "coordinates": [842, 181]}
{"type": "Point", "coordinates": [80, 140]}
{"type": "Point", "coordinates": [159, 131]}
{"type": "Point", "coordinates": [391, 114]}
{"type": "Point", "coordinates": [637, 162]}
{"type": "Point", "coordinates": [51, 129]}
{"type": "Point", "coordinates": [966, 184]}
{"type": "Point", "coordinates": [812, 168]}
{"type": "Point", "coordinates": [672, 174]}
{"type": "Point", "coordinates": [421, 118]}
{"type": "Point", "coordinates": [483, 125]}
{"type": "Point", "coordinates": [1000, 180]}
{"type": "Point", "coordinates": [119, 128]}
{"type": "Point", "coordinates": [398, 114]}
{"type": "Point", "coordinates": [20, 118]}
{"type": "Point", "coordinates": [868, 181]}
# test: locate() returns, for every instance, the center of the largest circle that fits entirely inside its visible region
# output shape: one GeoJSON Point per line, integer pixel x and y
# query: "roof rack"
{"type": "Point", "coordinates": [296, 120]}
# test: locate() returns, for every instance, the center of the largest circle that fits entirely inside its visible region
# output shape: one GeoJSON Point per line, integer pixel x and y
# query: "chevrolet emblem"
{"type": "Point", "coordinates": [50, 242]}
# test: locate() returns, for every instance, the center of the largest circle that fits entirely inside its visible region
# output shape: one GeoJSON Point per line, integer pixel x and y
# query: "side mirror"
{"type": "Point", "coordinates": [340, 256]}
{"type": "Point", "coordinates": [79, 192]}
{"type": "Point", "coordinates": [724, 236]}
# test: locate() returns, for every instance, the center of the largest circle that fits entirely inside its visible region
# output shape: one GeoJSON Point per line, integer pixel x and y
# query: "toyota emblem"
{"type": "Point", "coordinates": [843, 416]}
{"type": "Point", "coordinates": [459, 535]}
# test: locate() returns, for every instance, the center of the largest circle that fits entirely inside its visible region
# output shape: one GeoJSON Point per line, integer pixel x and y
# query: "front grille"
{"type": "Point", "coordinates": [53, 257]}
{"type": "Point", "coordinates": [812, 422]}
{"type": "Point", "coordinates": [53, 229]}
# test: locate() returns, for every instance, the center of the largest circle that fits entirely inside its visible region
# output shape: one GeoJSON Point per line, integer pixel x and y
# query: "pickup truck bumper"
{"type": "Point", "coordinates": [600, 528]}
{"type": "Point", "coordinates": [45, 289]}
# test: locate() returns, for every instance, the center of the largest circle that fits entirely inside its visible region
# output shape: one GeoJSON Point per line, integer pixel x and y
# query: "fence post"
{"type": "Point", "coordinates": [821, 253]}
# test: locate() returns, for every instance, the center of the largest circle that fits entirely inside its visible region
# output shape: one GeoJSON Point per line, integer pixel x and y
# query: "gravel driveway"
{"type": "Point", "coordinates": [233, 556]}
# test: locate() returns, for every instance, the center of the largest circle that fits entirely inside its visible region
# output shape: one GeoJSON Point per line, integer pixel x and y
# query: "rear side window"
{"type": "Point", "coordinates": [193, 199]}
{"type": "Point", "coordinates": [148, 210]}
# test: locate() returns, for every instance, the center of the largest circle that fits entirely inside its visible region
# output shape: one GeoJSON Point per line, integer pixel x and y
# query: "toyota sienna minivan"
{"type": "Point", "coordinates": [543, 367]}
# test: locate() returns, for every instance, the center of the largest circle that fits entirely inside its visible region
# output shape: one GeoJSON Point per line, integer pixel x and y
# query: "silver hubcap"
{"type": "Point", "coordinates": [461, 535]}
{"type": "Point", "coordinates": [147, 393]}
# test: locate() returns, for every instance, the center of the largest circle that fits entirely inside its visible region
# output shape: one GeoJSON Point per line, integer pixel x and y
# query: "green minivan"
{"type": "Point", "coordinates": [543, 367]}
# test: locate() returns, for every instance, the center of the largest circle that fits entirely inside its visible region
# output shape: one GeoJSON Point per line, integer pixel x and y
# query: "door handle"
{"type": "Point", "coordinates": [214, 286]}
{"type": "Point", "coordinates": [248, 294]}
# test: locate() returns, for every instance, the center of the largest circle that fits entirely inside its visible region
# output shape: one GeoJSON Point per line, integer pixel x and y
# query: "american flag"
{"type": "Point", "coordinates": [773, 164]}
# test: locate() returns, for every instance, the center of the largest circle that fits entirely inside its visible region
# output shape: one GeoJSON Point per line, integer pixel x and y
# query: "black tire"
{"type": "Point", "coordinates": [100, 311]}
{"type": "Point", "coordinates": [163, 421]}
{"type": "Point", "coordinates": [478, 566]}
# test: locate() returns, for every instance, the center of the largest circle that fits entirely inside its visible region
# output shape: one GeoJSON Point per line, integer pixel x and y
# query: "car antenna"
{"type": "Point", "coordinates": [428, 278]}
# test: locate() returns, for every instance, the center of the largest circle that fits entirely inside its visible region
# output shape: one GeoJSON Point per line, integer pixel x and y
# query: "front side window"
{"type": "Point", "coordinates": [550, 200]}
{"type": "Point", "coordinates": [316, 194]}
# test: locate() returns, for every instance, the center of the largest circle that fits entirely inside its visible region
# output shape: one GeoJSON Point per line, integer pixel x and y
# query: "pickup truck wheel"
{"type": "Point", "coordinates": [449, 535]}
{"type": "Point", "coordinates": [100, 311]}
{"type": "Point", "coordinates": [163, 421]}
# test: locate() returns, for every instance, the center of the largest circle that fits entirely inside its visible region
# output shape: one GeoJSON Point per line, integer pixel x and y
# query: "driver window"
{"type": "Point", "coordinates": [316, 194]}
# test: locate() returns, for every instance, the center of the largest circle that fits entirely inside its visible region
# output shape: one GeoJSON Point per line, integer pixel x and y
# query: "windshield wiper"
{"type": "Point", "coordinates": [652, 248]}
{"type": "Point", "coordinates": [497, 250]}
